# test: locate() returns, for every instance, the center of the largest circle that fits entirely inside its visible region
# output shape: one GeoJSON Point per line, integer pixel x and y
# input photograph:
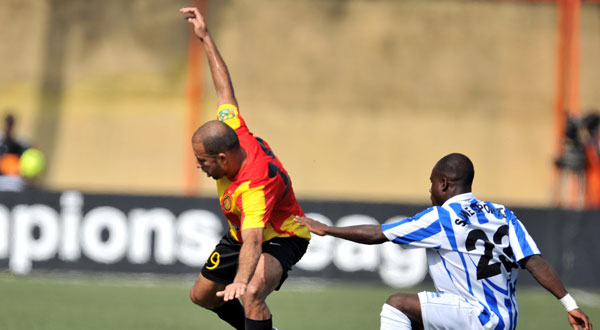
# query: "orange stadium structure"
{"type": "Point", "coordinates": [567, 101]}
{"type": "Point", "coordinates": [195, 88]}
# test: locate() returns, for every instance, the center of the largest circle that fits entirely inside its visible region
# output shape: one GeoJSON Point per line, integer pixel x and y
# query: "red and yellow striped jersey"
{"type": "Point", "coordinates": [261, 193]}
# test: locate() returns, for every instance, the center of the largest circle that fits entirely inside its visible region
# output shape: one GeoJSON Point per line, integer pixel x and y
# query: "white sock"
{"type": "Point", "coordinates": [393, 319]}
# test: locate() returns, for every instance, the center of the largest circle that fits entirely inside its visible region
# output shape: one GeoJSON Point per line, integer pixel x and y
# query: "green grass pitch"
{"type": "Point", "coordinates": [52, 302]}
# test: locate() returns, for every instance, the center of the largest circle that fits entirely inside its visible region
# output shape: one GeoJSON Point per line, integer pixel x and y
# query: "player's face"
{"type": "Point", "coordinates": [208, 163]}
{"type": "Point", "coordinates": [436, 194]}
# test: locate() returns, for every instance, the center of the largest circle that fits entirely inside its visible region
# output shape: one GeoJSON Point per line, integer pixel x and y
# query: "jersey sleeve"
{"type": "Point", "coordinates": [422, 230]}
{"type": "Point", "coordinates": [521, 243]}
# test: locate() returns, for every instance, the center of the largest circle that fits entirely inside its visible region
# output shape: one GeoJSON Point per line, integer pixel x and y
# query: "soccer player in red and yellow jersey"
{"type": "Point", "coordinates": [257, 198]}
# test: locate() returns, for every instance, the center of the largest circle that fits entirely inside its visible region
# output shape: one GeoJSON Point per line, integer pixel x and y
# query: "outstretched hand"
{"type": "Point", "coordinates": [197, 20]}
{"type": "Point", "coordinates": [314, 226]}
{"type": "Point", "coordinates": [578, 318]}
{"type": "Point", "coordinates": [233, 291]}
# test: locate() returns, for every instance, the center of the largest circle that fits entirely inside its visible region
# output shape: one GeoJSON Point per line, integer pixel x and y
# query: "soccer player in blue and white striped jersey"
{"type": "Point", "coordinates": [474, 250]}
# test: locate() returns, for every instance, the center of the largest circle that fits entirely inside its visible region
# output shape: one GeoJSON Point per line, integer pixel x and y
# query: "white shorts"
{"type": "Point", "coordinates": [447, 311]}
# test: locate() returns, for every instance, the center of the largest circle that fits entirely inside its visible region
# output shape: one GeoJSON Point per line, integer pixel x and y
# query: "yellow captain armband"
{"type": "Point", "coordinates": [229, 114]}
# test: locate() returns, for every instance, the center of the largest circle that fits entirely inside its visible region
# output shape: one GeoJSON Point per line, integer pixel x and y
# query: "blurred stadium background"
{"type": "Point", "coordinates": [388, 86]}
{"type": "Point", "coordinates": [358, 99]}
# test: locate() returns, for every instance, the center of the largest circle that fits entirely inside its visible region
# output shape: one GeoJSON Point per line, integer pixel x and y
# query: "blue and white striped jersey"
{"type": "Point", "coordinates": [473, 250]}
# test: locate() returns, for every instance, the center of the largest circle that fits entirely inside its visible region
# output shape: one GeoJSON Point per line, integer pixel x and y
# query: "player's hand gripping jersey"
{"type": "Point", "coordinates": [474, 252]}
{"type": "Point", "coordinates": [261, 194]}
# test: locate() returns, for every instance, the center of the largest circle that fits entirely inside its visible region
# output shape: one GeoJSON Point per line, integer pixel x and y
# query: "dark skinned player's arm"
{"type": "Point", "coordinates": [218, 68]}
{"type": "Point", "coordinates": [364, 234]}
{"type": "Point", "coordinates": [545, 275]}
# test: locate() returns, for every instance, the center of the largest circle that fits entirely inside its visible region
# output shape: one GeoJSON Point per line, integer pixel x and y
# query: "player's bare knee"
{"type": "Point", "coordinates": [253, 291]}
{"type": "Point", "coordinates": [201, 300]}
{"type": "Point", "coordinates": [254, 294]}
{"type": "Point", "coordinates": [195, 298]}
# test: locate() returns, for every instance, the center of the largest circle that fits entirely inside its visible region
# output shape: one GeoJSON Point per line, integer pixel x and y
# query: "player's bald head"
{"type": "Point", "coordinates": [456, 168]}
{"type": "Point", "coordinates": [216, 137]}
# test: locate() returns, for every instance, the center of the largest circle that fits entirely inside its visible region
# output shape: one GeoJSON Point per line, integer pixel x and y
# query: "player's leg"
{"type": "Point", "coordinates": [443, 310]}
{"type": "Point", "coordinates": [279, 255]}
{"type": "Point", "coordinates": [204, 294]}
{"type": "Point", "coordinates": [266, 278]}
{"type": "Point", "coordinates": [401, 311]}
{"type": "Point", "coordinates": [219, 270]}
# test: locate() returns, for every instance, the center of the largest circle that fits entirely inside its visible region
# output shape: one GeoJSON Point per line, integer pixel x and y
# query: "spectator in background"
{"type": "Point", "coordinates": [11, 150]}
{"type": "Point", "coordinates": [573, 157]}
{"type": "Point", "coordinates": [591, 129]}
{"type": "Point", "coordinates": [590, 136]}
{"type": "Point", "coordinates": [572, 163]}
{"type": "Point", "coordinates": [9, 144]}
{"type": "Point", "coordinates": [580, 160]}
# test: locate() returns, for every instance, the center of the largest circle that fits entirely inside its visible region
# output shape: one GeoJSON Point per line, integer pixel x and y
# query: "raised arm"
{"type": "Point", "coordinates": [546, 276]}
{"type": "Point", "coordinates": [365, 234]}
{"type": "Point", "coordinates": [218, 69]}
